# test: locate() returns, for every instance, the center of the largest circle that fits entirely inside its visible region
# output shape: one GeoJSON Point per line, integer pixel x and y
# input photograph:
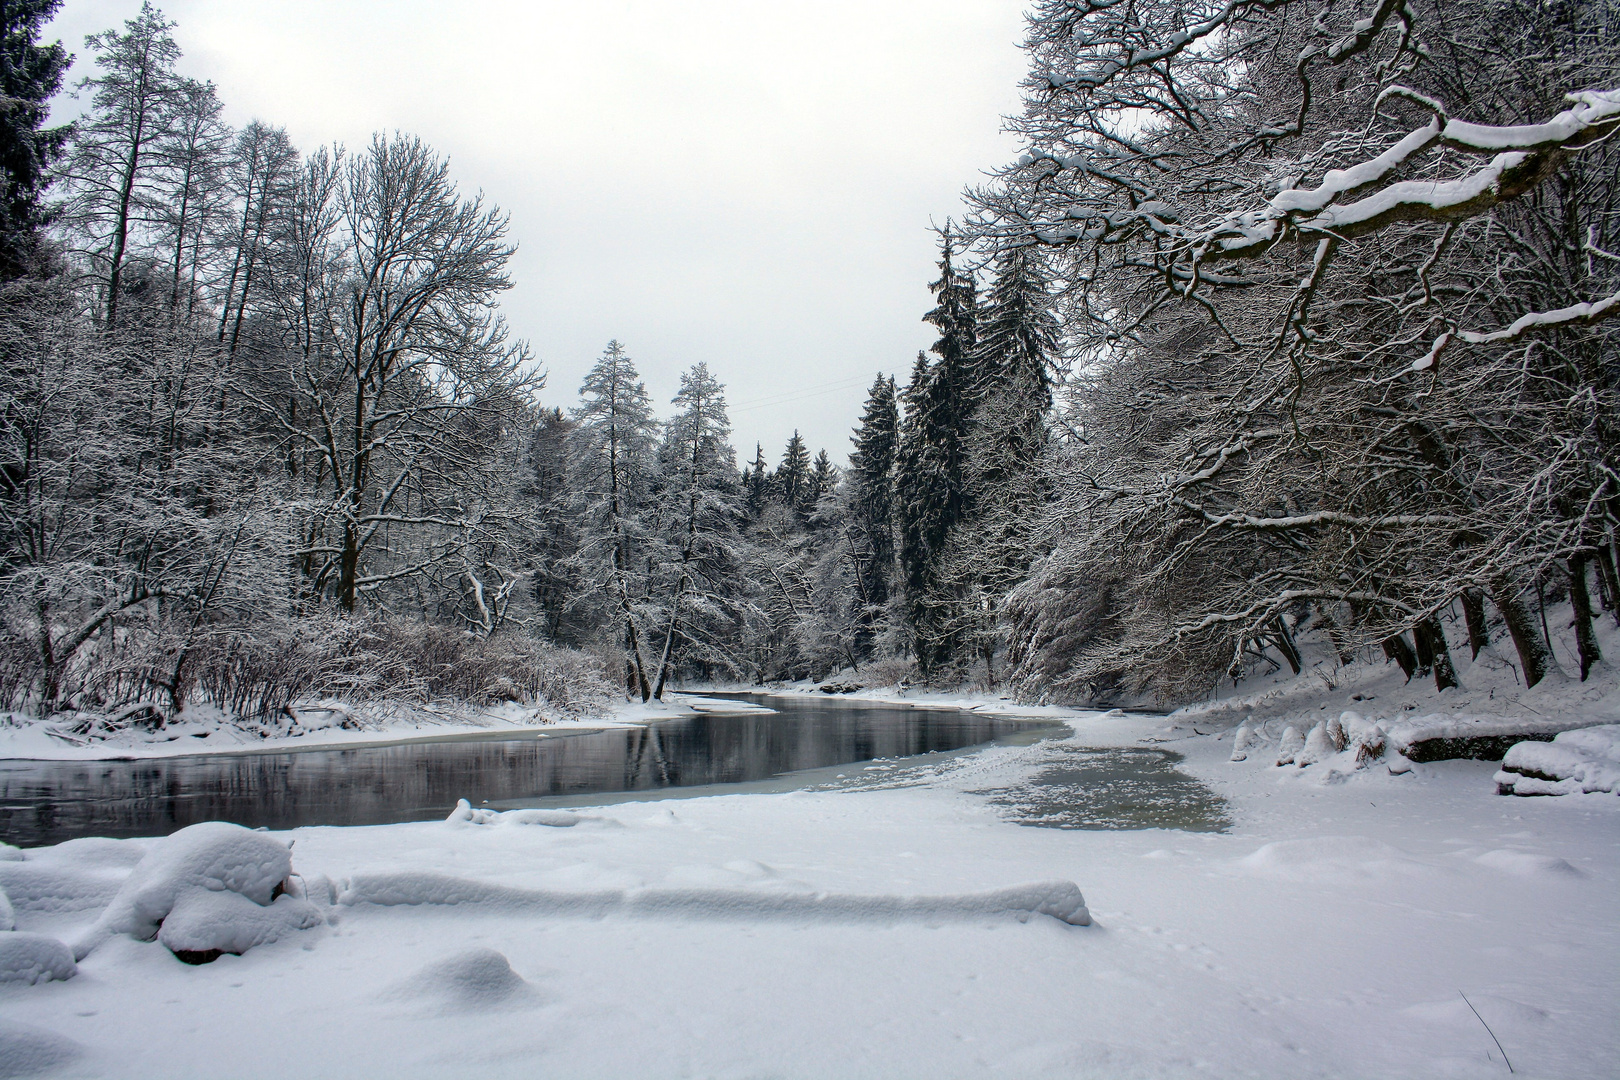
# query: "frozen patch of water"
{"type": "Point", "coordinates": [1134, 788]}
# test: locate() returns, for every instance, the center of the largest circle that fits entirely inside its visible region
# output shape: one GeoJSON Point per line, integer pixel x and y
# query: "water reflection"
{"type": "Point", "coordinates": [45, 802]}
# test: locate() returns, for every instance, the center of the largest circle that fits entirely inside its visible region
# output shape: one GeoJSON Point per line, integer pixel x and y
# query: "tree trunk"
{"type": "Point", "coordinates": [1424, 649]}
{"type": "Point", "coordinates": [1285, 644]}
{"type": "Point", "coordinates": [1479, 635]}
{"type": "Point", "coordinates": [1581, 601]}
{"type": "Point", "coordinates": [1611, 579]}
{"type": "Point", "coordinates": [1432, 637]}
{"type": "Point", "coordinates": [1538, 660]}
{"type": "Point", "coordinates": [1396, 649]}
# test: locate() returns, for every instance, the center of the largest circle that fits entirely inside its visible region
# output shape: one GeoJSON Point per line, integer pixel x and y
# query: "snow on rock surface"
{"type": "Point", "coordinates": [204, 925]}
{"type": "Point", "coordinates": [1575, 762]}
{"type": "Point", "coordinates": [33, 958]}
{"type": "Point", "coordinates": [213, 857]}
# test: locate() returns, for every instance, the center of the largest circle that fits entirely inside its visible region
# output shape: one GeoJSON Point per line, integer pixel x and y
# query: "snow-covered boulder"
{"type": "Point", "coordinates": [1292, 743]}
{"type": "Point", "coordinates": [205, 925]}
{"type": "Point", "coordinates": [33, 958]}
{"type": "Point", "coordinates": [178, 875]}
{"type": "Point", "coordinates": [1575, 762]}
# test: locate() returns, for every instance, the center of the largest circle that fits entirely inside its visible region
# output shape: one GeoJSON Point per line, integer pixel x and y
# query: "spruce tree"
{"type": "Point", "coordinates": [793, 478]}
{"type": "Point", "coordinates": [823, 476]}
{"type": "Point", "coordinates": [1017, 351]}
{"type": "Point", "coordinates": [30, 74]}
{"type": "Point", "coordinates": [871, 468]}
{"type": "Point", "coordinates": [932, 488]}
{"type": "Point", "coordinates": [757, 482]}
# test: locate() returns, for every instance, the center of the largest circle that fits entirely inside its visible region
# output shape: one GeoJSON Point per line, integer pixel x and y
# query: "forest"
{"type": "Point", "coordinates": [1291, 320]}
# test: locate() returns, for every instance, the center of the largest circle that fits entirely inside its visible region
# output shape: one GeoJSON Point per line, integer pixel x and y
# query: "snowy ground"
{"type": "Point", "coordinates": [869, 930]}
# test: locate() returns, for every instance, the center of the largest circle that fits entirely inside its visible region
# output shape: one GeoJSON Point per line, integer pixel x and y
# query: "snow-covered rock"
{"type": "Point", "coordinates": [1575, 762]}
{"type": "Point", "coordinates": [33, 958]}
{"type": "Point", "coordinates": [1292, 743]}
{"type": "Point", "coordinates": [205, 925]}
{"type": "Point", "coordinates": [214, 857]}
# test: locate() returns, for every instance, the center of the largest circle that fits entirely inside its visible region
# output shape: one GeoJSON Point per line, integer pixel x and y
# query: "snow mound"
{"type": "Point", "coordinates": [29, 1051]}
{"type": "Point", "coordinates": [33, 958]}
{"type": "Point", "coordinates": [1528, 864]}
{"type": "Point", "coordinates": [93, 852]}
{"type": "Point", "coordinates": [475, 979]}
{"type": "Point", "coordinates": [1575, 762]}
{"type": "Point", "coordinates": [204, 925]}
{"type": "Point", "coordinates": [8, 916]}
{"type": "Point", "coordinates": [1062, 900]}
{"type": "Point", "coordinates": [55, 890]}
{"type": "Point", "coordinates": [213, 857]}
{"type": "Point", "coordinates": [10, 854]}
{"type": "Point", "coordinates": [1328, 856]}
{"type": "Point", "coordinates": [1243, 741]}
{"type": "Point", "coordinates": [466, 814]}
{"type": "Point", "coordinates": [1290, 746]}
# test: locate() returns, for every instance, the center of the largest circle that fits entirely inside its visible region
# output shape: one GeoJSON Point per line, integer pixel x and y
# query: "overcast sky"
{"type": "Point", "coordinates": [746, 183]}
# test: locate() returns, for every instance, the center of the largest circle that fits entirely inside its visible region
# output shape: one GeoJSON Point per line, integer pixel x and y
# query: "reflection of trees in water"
{"type": "Point", "coordinates": [45, 802]}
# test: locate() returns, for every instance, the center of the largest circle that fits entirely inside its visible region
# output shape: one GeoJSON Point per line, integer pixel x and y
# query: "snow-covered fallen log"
{"type": "Point", "coordinates": [1061, 900]}
{"type": "Point", "coordinates": [1438, 737]}
{"type": "Point", "coordinates": [1573, 763]}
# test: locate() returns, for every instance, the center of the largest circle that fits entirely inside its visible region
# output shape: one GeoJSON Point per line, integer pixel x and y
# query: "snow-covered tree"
{"type": "Point", "coordinates": [613, 464]}
{"type": "Point", "coordinates": [702, 581]}
{"type": "Point", "coordinates": [1331, 287]}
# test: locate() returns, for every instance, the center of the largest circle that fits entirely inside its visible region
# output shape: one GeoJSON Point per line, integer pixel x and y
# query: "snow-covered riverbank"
{"type": "Point", "coordinates": [1332, 931]}
{"type": "Point", "coordinates": [323, 730]}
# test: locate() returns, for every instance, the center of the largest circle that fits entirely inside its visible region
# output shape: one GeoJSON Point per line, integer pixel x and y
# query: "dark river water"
{"type": "Point", "coordinates": [46, 802]}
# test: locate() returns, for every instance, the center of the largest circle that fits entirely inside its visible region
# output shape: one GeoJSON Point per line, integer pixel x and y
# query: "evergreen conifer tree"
{"type": "Point", "coordinates": [823, 475]}
{"type": "Point", "coordinates": [757, 482]}
{"type": "Point", "coordinates": [30, 74]}
{"type": "Point", "coordinates": [931, 482]}
{"type": "Point", "coordinates": [793, 478]}
{"type": "Point", "coordinates": [871, 468]}
{"type": "Point", "coordinates": [1017, 351]}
